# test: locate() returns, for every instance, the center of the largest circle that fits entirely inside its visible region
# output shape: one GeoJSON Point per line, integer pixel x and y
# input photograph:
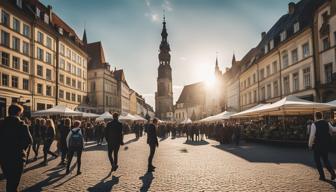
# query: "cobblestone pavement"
{"type": "Point", "coordinates": [204, 166]}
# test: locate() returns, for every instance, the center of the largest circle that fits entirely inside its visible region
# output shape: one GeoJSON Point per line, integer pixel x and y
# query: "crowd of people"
{"type": "Point", "coordinates": [19, 137]}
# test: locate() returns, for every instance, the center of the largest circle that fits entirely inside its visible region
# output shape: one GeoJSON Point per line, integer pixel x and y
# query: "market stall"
{"type": "Point", "coordinates": [57, 110]}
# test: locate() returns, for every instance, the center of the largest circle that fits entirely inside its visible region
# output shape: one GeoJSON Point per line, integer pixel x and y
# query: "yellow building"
{"type": "Point", "coordinates": [32, 55]}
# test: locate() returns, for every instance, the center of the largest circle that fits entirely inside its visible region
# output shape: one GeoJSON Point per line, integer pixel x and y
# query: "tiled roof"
{"type": "Point", "coordinates": [303, 13]}
{"type": "Point", "coordinates": [96, 54]}
{"type": "Point", "coordinates": [192, 94]}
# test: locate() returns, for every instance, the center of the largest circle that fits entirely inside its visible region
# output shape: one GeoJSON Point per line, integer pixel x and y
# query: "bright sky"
{"type": "Point", "coordinates": [197, 29]}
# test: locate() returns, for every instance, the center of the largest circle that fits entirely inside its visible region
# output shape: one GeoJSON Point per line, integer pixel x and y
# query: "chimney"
{"type": "Point", "coordinates": [50, 13]}
{"type": "Point", "coordinates": [291, 7]}
{"type": "Point", "coordinates": [263, 35]}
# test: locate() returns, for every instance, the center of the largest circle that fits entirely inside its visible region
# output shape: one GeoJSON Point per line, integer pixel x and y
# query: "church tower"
{"type": "Point", "coordinates": [164, 93]}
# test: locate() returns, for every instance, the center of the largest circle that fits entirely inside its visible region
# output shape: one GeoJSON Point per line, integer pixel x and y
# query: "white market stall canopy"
{"type": "Point", "coordinates": [290, 105]}
{"type": "Point", "coordinates": [221, 116]}
{"type": "Point", "coordinates": [139, 118]}
{"type": "Point", "coordinates": [332, 103]}
{"type": "Point", "coordinates": [247, 112]}
{"type": "Point", "coordinates": [57, 110]}
{"type": "Point", "coordinates": [90, 115]}
{"type": "Point", "coordinates": [186, 121]}
{"type": "Point", "coordinates": [104, 116]}
{"type": "Point", "coordinates": [127, 117]}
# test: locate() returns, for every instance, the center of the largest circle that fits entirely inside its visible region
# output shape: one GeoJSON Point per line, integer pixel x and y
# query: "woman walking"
{"type": "Point", "coordinates": [48, 140]}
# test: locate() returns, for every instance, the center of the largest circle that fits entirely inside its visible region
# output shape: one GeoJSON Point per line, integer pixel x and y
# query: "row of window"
{"type": "Point", "coordinates": [266, 91]}
{"type": "Point", "coordinates": [267, 71]}
{"type": "Point", "coordinates": [283, 36]}
{"type": "Point", "coordinates": [16, 43]}
{"type": "Point", "coordinates": [25, 49]}
{"type": "Point", "coordinates": [40, 89]}
{"type": "Point", "coordinates": [16, 62]}
{"type": "Point", "coordinates": [179, 115]}
{"type": "Point", "coordinates": [294, 55]}
{"type": "Point", "coordinates": [40, 38]}
{"type": "Point", "coordinates": [23, 29]}
{"type": "Point", "coordinates": [48, 72]}
{"type": "Point", "coordinates": [69, 96]}
{"type": "Point", "coordinates": [71, 68]}
{"type": "Point", "coordinates": [71, 82]}
{"type": "Point", "coordinates": [14, 82]}
{"type": "Point", "coordinates": [71, 55]}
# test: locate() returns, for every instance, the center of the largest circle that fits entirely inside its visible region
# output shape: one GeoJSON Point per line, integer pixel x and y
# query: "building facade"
{"type": "Point", "coordinates": [191, 103]}
{"type": "Point", "coordinates": [102, 85]}
{"type": "Point", "coordinates": [164, 94]}
{"type": "Point", "coordinates": [31, 37]}
{"type": "Point", "coordinates": [325, 41]}
{"type": "Point", "coordinates": [283, 63]}
{"type": "Point", "coordinates": [123, 90]}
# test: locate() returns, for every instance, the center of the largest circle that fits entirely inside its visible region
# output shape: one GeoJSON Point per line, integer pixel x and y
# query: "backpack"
{"type": "Point", "coordinates": [76, 140]}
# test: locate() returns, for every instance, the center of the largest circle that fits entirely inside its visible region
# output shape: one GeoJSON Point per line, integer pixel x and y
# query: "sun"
{"type": "Point", "coordinates": [210, 81]}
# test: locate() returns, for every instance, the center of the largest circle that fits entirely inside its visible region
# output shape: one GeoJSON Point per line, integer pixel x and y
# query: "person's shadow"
{"type": "Point", "coordinates": [105, 186]}
{"type": "Point", "coordinates": [146, 181]}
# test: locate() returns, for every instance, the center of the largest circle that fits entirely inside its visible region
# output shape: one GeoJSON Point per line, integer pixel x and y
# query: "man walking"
{"type": "Point", "coordinates": [320, 141]}
{"type": "Point", "coordinates": [114, 138]}
{"type": "Point", "coordinates": [152, 141]}
{"type": "Point", "coordinates": [14, 140]}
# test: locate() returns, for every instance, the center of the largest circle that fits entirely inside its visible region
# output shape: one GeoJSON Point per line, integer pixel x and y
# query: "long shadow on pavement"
{"type": "Point", "coordinates": [147, 180]}
{"type": "Point", "coordinates": [271, 154]}
{"type": "Point", "coordinates": [195, 143]}
{"type": "Point", "coordinates": [105, 186]}
{"type": "Point", "coordinates": [131, 141]}
{"type": "Point", "coordinates": [53, 178]}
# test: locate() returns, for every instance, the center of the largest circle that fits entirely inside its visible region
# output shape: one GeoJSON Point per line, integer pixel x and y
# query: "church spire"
{"type": "Point", "coordinates": [233, 59]}
{"type": "Point", "coordinates": [84, 37]}
{"type": "Point", "coordinates": [164, 33]}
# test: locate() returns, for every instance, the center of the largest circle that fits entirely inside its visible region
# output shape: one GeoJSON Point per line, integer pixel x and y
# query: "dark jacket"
{"type": "Point", "coordinates": [64, 131]}
{"type": "Point", "coordinates": [151, 135]}
{"type": "Point", "coordinates": [113, 133]}
{"type": "Point", "coordinates": [323, 140]}
{"type": "Point", "coordinates": [49, 135]}
{"type": "Point", "coordinates": [14, 139]}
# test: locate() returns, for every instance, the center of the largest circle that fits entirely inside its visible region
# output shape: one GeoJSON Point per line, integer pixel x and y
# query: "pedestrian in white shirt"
{"type": "Point", "coordinates": [320, 141]}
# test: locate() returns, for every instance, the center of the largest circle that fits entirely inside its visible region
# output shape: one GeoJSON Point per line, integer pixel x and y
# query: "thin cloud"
{"type": "Point", "coordinates": [167, 5]}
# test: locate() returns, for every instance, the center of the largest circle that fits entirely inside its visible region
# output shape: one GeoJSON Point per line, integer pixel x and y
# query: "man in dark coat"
{"type": "Point", "coordinates": [152, 141]}
{"type": "Point", "coordinates": [14, 140]}
{"type": "Point", "coordinates": [114, 138]}
{"type": "Point", "coordinates": [320, 141]}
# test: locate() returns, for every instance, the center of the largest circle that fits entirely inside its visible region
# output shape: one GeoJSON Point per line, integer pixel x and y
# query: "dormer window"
{"type": "Point", "coordinates": [271, 44]}
{"type": "Point", "coordinates": [283, 35]}
{"type": "Point", "coordinates": [19, 3]}
{"type": "Point", "coordinates": [266, 49]}
{"type": "Point", "coordinates": [38, 12]}
{"type": "Point", "coordinates": [60, 30]}
{"type": "Point", "coordinates": [296, 27]}
{"type": "Point", "coordinates": [46, 18]}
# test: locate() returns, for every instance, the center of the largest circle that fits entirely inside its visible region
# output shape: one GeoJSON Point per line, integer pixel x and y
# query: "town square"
{"type": "Point", "coordinates": [167, 95]}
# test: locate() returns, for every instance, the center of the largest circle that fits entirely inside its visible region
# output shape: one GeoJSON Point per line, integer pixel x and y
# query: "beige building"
{"type": "Point", "coordinates": [325, 41]}
{"type": "Point", "coordinates": [31, 39]}
{"type": "Point", "coordinates": [123, 91]}
{"type": "Point", "coordinates": [191, 103]}
{"type": "Point", "coordinates": [283, 62]}
{"type": "Point", "coordinates": [230, 86]}
{"type": "Point", "coordinates": [102, 85]}
{"type": "Point", "coordinates": [133, 102]}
